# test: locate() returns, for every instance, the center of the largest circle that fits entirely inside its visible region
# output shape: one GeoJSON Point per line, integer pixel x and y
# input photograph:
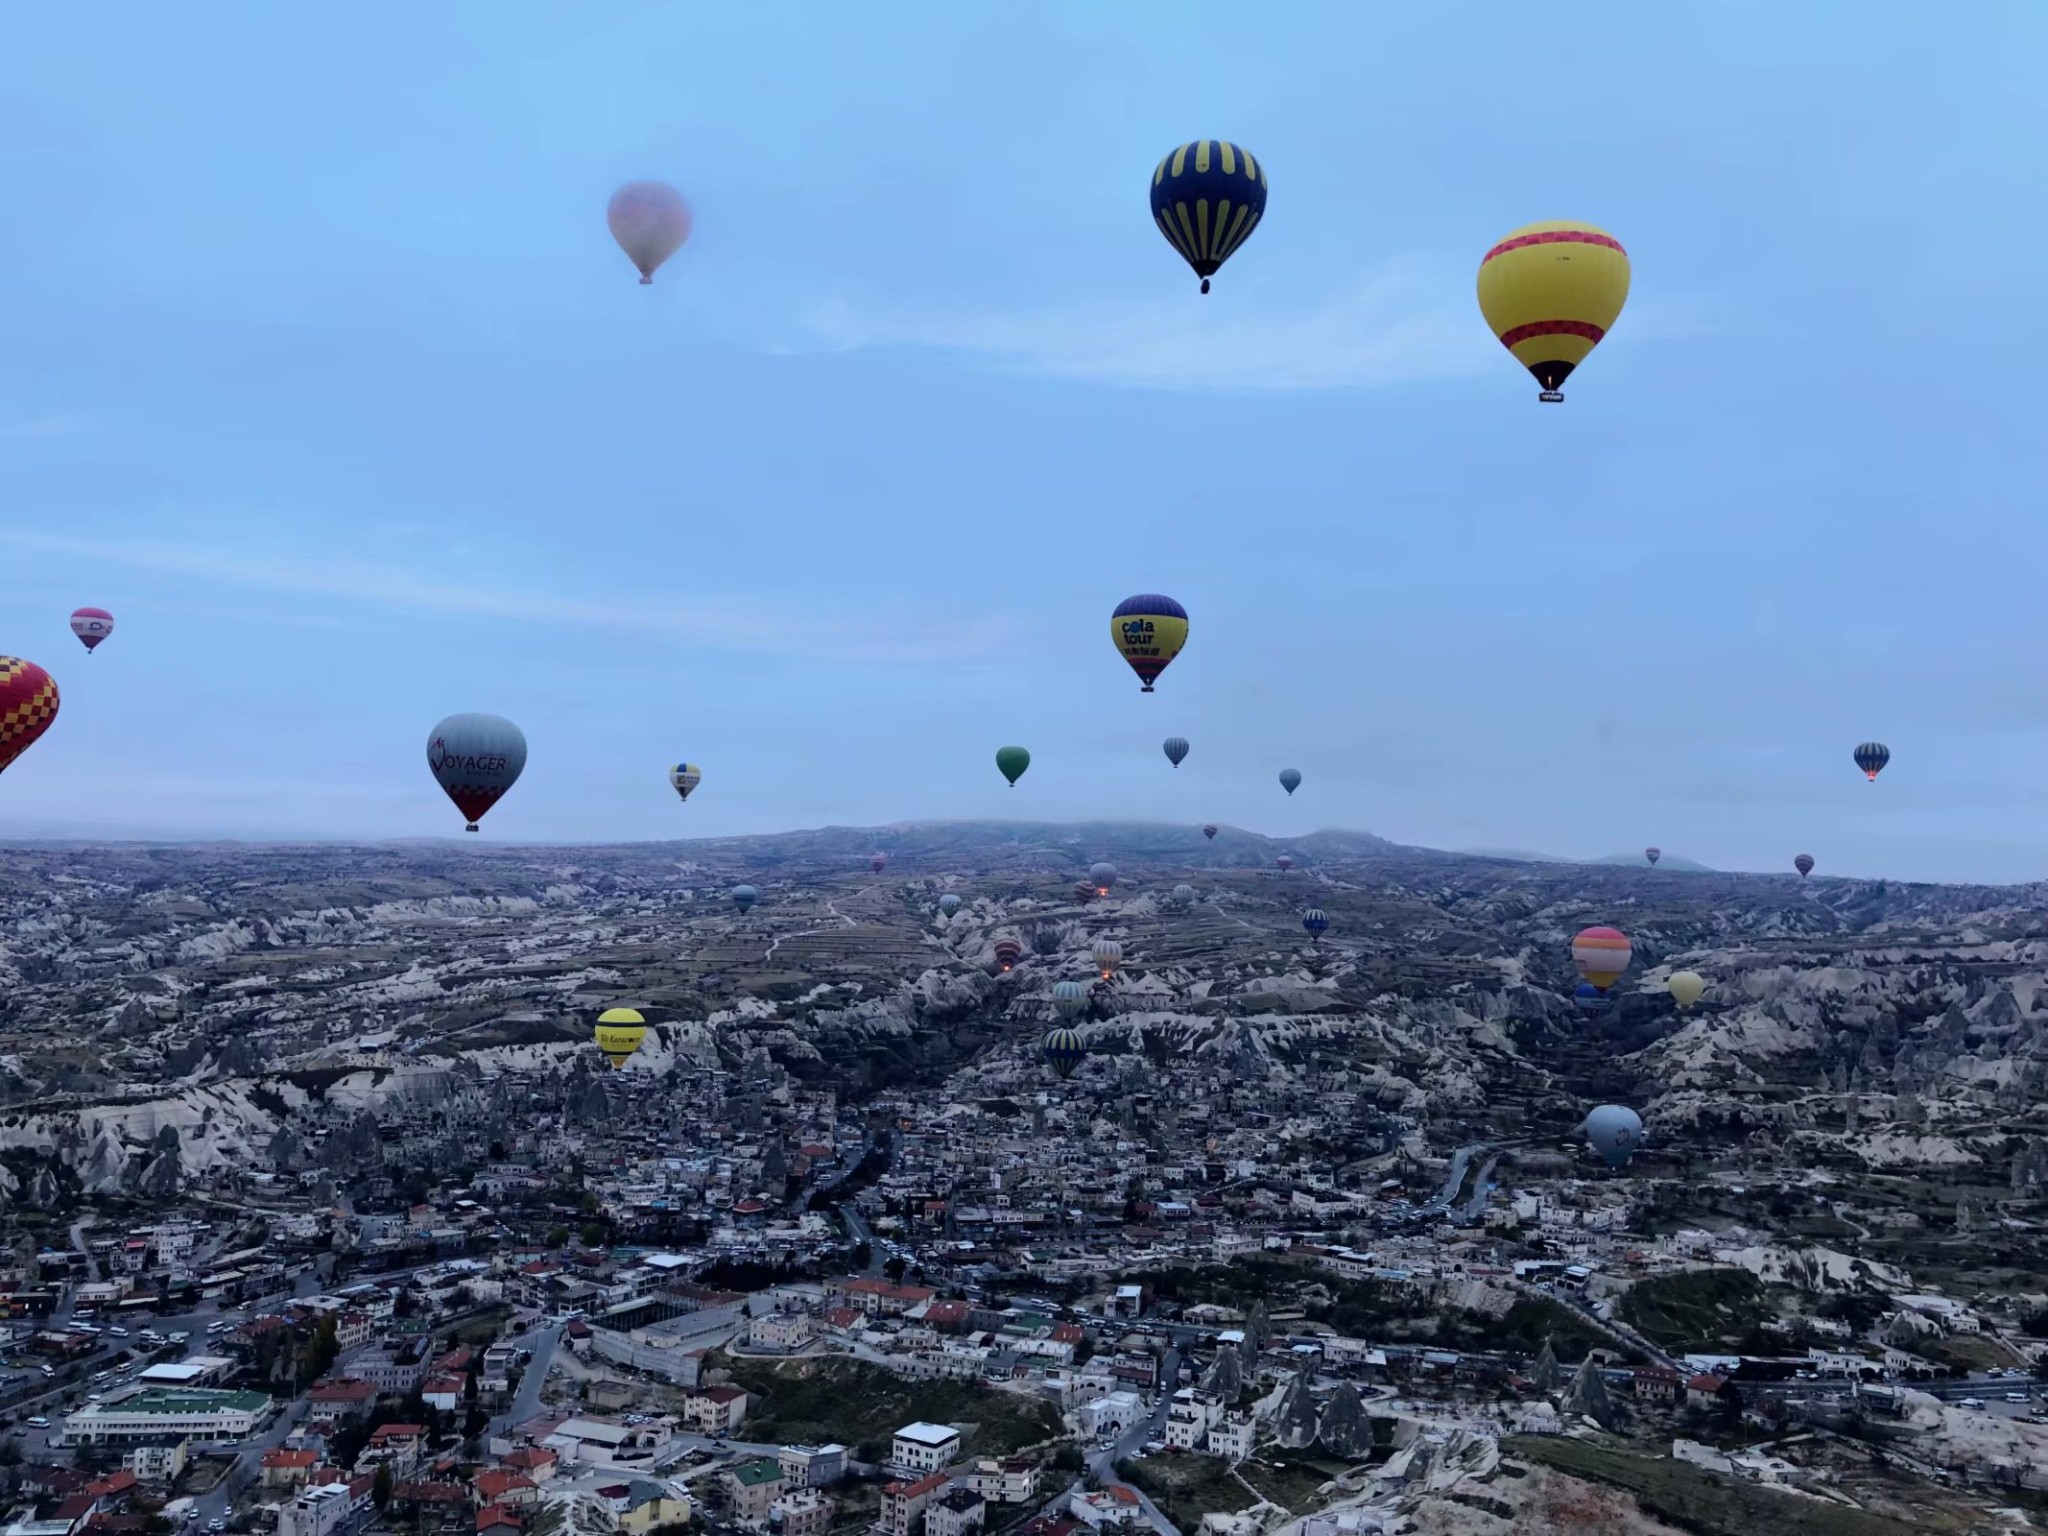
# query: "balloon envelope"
{"type": "Point", "coordinates": [949, 904]}
{"type": "Point", "coordinates": [1804, 864]}
{"type": "Point", "coordinates": [1149, 630]}
{"type": "Point", "coordinates": [1108, 955]}
{"type": "Point", "coordinates": [91, 625]}
{"type": "Point", "coordinates": [1207, 198]}
{"type": "Point", "coordinates": [1064, 1051]}
{"type": "Point", "coordinates": [1209, 831]}
{"type": "Point", "coordinates": [1591, 998]}
{"type": "Point", "coordinates": [1653, 854]}
{"type": "Point", "coordinates": [1069, 997]}
{"type": "Point", "coordinates": [1615, 1131]}
{"type": "Point", "coordinates": [1871, 758]}
{"type": "Point", "coordinates": [1183, 894]}
{"type": "Point", "coordinates": [1011, 763]}
{"type": "Point", "coordinates": [1550, 292]}
{"type": "Point", "coordinates": [1176, 748]}
{"type": "Point", "coordinates": [744, 896]}
{"type": "Point", "coordinates": [475, 759]}
{"type": "Point", "coordinates": [1103, 873]}
{"type": "Point", "coordinates": [879, 862]}
{"type": "Point", "coordinates": [1686, 988]}
{"type": "Point", "coordinates": [619, 1034]}
{"type": "Point", "coordinates": [1601, 955]}
{"type": "Point", "coordinates": [1290, 779]}
{"type": "Point", "coordinates": [685, 777]}
{"type": "Point", "coordinates": [1008, 952]}
{"type": "Point", "coordinates": [1315, 920]}
{"type": "Point", "coordinates": [650, 220]}
{"type": "Point", "coordinates": [1285, 861]}
{"type": "Point", "coordinates": [28, 703]}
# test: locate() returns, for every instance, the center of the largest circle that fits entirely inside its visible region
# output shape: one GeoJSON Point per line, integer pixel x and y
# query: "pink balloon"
{"type": "Point", "coordinates": [650, 221]}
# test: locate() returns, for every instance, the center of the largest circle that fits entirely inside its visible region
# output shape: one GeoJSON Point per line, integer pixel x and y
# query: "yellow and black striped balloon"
{"type": "Point", "coordinates": [1207, 198]}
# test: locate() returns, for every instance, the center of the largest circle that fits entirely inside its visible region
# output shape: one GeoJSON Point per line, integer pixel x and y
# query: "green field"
{"type": "Point", "coordinates": [1699, 1309]}
{"type": "Point", "coordinates": [1697, 1500]}
{"type": "Point", "coordinates": [1187, 1487]}
{"type": "Point", "coordinates": [816, 1401]}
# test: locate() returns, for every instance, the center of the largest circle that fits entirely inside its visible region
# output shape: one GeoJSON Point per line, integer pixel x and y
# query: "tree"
{"type": "Point", "coordinates": [380, 1491]}
{"type": "Point", "coordinates": [894, 1270]}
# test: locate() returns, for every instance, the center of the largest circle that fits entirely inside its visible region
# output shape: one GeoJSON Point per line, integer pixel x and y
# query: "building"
{"type": "Point", "coordinates": [807, 1466]}
{"type": "Point", "coordinates": [333, 1401]}
{"type": "Point", "coordinates": [285, 1467]}
{"type": "Point", "coordinates": [402, 1445]}
{"type": "Point", "coordinates": [752, 1488]}
{"type": "Point", "coordinates": [1655, 1384]}
{"type": "Point", "coordinates": [649, 1504]}
{"type": "Point", "coordinates": [920, 1447]}
{"type": "Point", "coordinates": [1189, 1418]}
{"type": "Point", "coordinates": [319, 1511]}
{"type": "Point", "coordinates": [161, 1413]}
{"type": "Point", "coordinates": [802, 1512]}
{"type": "Point", "coordinates": [785, 1331]}
{"type": "Point", "coordinates": [956, 1512]}
{"type": "Point", "coordinates": [1011, 1481]}
{"type": "Point", "coordinates": [904, 1504]}
{"type": "Point", "coordinates": [715, 1410]}
{"type": "Point", "coordinates": [161, 1461]}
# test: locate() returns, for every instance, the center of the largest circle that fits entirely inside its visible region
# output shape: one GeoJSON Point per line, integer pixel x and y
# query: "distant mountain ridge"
{"type": "Point", "coordinates": [1522, 856]}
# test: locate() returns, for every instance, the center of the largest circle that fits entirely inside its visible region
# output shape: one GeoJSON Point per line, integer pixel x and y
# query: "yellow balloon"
{"type": "Point", "coordinates": [1550, 292]}
{"type": "Point", "coordinates": [619, 1033]}
{"type": "Point", "coordinates": [1685, 988]}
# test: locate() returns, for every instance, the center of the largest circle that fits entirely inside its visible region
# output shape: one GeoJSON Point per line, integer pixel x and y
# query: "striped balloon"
{"type": "Point", "coordinates": [1207, 198]}
{"type": "Point", "coordinates": [1176, 748]}
{"type": "Point", "coordinates": [1008, 953]}
{"type": "Point", "coordinates": [91, 625]}
{"type": "Point", "coordinates": [1108, 955]}
{"type": "Point", "coordinates": [1601, 955]}
{"type": "Point", "coordinates": [1315, 920]}
{"type": "Point", "coordinates": [1069, 997]}
{"type": "Point", "coordinates": [1871, 758]}
{"type": "Point", "coordinates": [1064, 1051]}
{"type": "Point", "coordinates": [1550, 292]}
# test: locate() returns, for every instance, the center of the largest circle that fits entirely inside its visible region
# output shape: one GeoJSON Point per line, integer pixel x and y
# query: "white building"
{"type": "Point", "coordinates": [1189, 1418]}
{"type": "Point", "coordinates": [161, 1413]}
{"type": "Point", "coordinates": [812, 1466]}
{"type": "Point", "coordinates": [920, 1448]}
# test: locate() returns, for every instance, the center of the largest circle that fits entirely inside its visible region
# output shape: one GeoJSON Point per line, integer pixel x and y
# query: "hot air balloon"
{"type": "Point", "coordinates": [1590, 998]}
{"type": "Point", "coordinates": [1008, 953]}
{"type": "Point", "coordinates": [1084, 889]}
{"type": "Point", "coordinates": [948, 904]}
{"type": "Point", "coordinates": [1601, 954]}
{"type": "Point", "coordinates": [1550, 291]}
{"type": "Point", "coordinates": [1315, 920]}
{"type": "Point", "coordinates": [1103, 873]}
{"type": "Point", "coordinates": [1183, 894]}
{"type": "Point", "coordinates": [1209, 831]}
{"type": "Point", "coordinates": [1069, 997]}
{"type": "Point", "coordinates": [1107, 955]}
{"type": "Point", "coordinates": [744, 896]}
{"type": "Point", "coordinates": [619, 1033]}
{"type": "Point", "coordinates": [1804, 864]}
{"type": "Point", "coordinates": [650, 221]}
{"type": "Point", "coordinates": [1176, 748]}
{"type": "Point", "coordinates": [685, 777]}
{"type": "Point", "coordinates": [28, 703]}
{"type": "Point", "coordinates": [1207, 198]}
{"type": "Point", "coordinates": [1149, 630]}
{"type": "Point", "coordinates": [879, 862]}
{"type": "Point", "coordinates": [1653, 854]}
{"type": "Point", "coordinates": [1285, 861]}
{"type": "Point", "coordinates": [1011, 763]}
{"type": "Point", "coordinates": [1290, 779]}
{"type": "Point", "coordinates": [1871, 758]}
{"type": "Point", "coordinates": [91, 625]}
{"type": "Point", "coordinates": [475, 759]}
{"type": "Point", "coordinates": [1064, 1051]}
{"type": "Point", "coordinates": [1686, 988]}
{"type": "Point", "coordinates": [1615, 1131]}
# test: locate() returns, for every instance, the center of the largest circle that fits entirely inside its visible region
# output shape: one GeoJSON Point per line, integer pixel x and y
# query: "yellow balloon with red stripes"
{"type": "Point", "coordinates": [1551, 291]}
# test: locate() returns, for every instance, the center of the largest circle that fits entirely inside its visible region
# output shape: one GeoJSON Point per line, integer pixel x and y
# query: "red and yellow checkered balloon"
{"type": "Point", "coordinates": [28, 703]}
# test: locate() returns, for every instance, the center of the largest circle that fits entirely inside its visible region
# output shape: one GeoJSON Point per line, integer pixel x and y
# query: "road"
{"type": "Point", "coordinates": [525, 1402]}
{"type": "Point", "coordinates": [858, 1230]}
{"type": "Point", "coordinates": [1102, 1462]}
{"type": "Point", "coordinates": [92, 1265]}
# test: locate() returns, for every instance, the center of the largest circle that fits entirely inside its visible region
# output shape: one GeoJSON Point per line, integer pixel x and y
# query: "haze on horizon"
{"type": "Point", "coordinates": [324, 375]}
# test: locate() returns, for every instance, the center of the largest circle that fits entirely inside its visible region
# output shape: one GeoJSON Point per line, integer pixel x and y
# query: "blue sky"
{"type": "Point", "coordinates": [320, 370]}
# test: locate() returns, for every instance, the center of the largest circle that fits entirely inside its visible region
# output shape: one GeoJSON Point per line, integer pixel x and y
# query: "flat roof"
{"type": "Point", "coordinates": [182, 1402]}
{"type": "Point", "coordinates": [927, 1434]}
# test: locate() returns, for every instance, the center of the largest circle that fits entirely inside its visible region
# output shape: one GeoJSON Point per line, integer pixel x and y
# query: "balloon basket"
{"type": "Point", "coordinates": [471, 827]}
{"type": "Point", "coordinates": [1551, 397]}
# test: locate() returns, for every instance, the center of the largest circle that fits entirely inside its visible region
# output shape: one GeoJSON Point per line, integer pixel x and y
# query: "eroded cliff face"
{"type": "Point", "coordinates": [172, 1017]}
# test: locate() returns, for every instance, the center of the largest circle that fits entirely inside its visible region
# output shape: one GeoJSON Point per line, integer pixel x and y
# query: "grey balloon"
{"type": "Point", "coordinates": [475, 759]}
{"type": "Point", "coordinates": [1176, 748]}
{"type": "Point", "coordinates": [1183, 894]}
{"type": "Point", "coordinates": [1103, 874]}
{"type": "Point", "coordinates": [1290, 779]}
{"type": "Point", "coordinates": [1615, 1132]}
{"type": "Point", "coordinates": [744, 896]}
{"type": "Point", "coordinates": [1069, 997]}
{"type": "Point", "coordinates": [948, 904]}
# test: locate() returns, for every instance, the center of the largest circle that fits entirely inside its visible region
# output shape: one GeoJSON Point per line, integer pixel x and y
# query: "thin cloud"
{"type": "Point", "coordinates": [74, 424]}
{"type": "Point", "coordinates": [1411, 321]}
{"type": "Point", "coordinates": [722, 626]}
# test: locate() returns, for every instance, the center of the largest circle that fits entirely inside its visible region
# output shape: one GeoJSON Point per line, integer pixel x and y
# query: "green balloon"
{"type": "Point", "coordinates": [1011, 763]}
